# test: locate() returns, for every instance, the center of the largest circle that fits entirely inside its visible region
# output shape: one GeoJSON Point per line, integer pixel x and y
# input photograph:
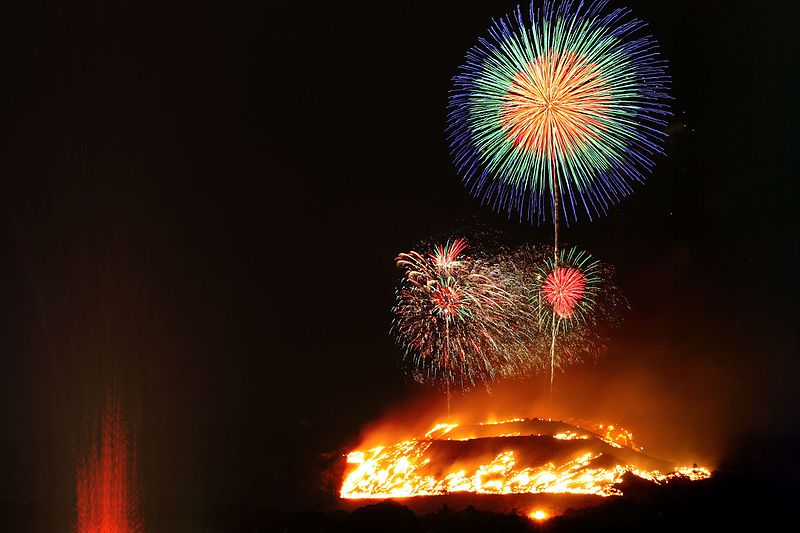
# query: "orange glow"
{"type": "Point", "coordinates": [556, 104]}
{"type": "Point", "coordinates": [107, 495]}
{"type": "Point", "coordinates": [537, 514]}
{"type": "Point", "coordinates": [511, 457]}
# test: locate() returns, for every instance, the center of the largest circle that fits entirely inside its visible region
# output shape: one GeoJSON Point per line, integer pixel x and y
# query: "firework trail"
{"type": "Point", "coordinates": [456, 319]}
{"type": "Point", "coordinates": [568, 103]}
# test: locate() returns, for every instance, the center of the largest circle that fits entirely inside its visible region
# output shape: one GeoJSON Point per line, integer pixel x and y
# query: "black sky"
{"type": "Point", "coordinates": [202, 203]}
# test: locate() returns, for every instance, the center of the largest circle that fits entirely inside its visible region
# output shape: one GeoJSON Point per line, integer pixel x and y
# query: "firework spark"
{"type": "Point", "coordinates": [455, 318]}
{"type": "Point", "coordinates": [568, 102]}
{"type": "Point", "coordinates": [577, 296]}
{"type": "Point", "coordinates": [462, 320]}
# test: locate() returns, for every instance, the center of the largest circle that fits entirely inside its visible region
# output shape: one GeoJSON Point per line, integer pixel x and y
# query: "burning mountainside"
{"type": "Point", "coordinates": [520, 456]}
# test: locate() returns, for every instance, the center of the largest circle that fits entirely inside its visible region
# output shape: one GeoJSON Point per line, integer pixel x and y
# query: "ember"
{"type": "Point", "coordinates": [538, 514]}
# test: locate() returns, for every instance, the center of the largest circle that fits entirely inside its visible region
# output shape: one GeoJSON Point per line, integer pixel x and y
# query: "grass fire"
{"type": "Point", "coordinates": [518, 456]}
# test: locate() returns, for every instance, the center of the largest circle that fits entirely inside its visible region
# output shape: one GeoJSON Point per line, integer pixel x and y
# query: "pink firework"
{"type": "Point", "coordinates": [563, 288]}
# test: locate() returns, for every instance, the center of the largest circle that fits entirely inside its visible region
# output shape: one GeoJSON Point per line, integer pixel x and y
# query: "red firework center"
{"type": "Point", "coordinates": [563, 288]}
{"type": "Point", "coordinates": [447, 299]}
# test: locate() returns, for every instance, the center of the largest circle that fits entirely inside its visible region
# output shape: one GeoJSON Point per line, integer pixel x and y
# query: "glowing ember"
{"type": "Point", "coordinates": [537, 514]}
{"type": "Point", "coordinates": [617, 436]}
{"type": "Point", "coordinates": [611, 434]}
{"type": "Point", "coordinates": [569, 435]}
{"type": "Point", "coordinates": [107, 501]}
{"type": "Point", "coordinates": [444, 462]}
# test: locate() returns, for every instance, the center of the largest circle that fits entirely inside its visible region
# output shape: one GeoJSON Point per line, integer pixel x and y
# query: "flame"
{"type": "Point", "coordinates": [409, 468]}
{"type": "Point", "coordinates": [569, 435]}
{"type": "Point", "coordinates": [439, 430]}
{"type": "Point", "coordinates": [617, 436]}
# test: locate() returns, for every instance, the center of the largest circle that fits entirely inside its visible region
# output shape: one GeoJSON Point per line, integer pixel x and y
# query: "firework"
{"type": "Point", "coordinates": [569, 288]}
{"type": "Point", "coordinates": [568, 102]}
{"type": "Point", "coordinates": [573, 299]}
{"type": "Point", "coordinates": [563, 289]}
{"type": "Point", "coordinates": [462, 320]}
{"type": "Point", "coordinates": [456, 319]}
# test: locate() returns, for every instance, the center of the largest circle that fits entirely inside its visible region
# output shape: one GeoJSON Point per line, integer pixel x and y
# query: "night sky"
{"type": "Point", "coordinates": [202, 203]}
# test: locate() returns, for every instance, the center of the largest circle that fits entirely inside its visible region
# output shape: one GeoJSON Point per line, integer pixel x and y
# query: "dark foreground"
{"type": "Point", "coordinates": [727, 502]}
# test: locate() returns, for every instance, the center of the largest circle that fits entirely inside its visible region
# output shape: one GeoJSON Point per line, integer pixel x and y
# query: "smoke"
{"type": "Point", "coordinates": [677, 406]}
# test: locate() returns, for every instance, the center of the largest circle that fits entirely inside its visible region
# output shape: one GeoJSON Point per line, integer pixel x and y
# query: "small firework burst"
{"type": "Point", "coordinates": [568, 102]}
{"type": "Point", "coordinates": [568, 289]}
{"type": "Point", "coordinates": [563, 289]}
{"type": "Point", "coordinates": [574, 299]}
{"type": "Point", "coordinates": [455, 317]}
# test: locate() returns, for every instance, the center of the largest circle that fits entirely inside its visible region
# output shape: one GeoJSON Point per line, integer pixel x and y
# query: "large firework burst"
{"type": "Point", "coordinates": [455, 318]}
{"type": "Point", "coordinates": [568, 102]}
